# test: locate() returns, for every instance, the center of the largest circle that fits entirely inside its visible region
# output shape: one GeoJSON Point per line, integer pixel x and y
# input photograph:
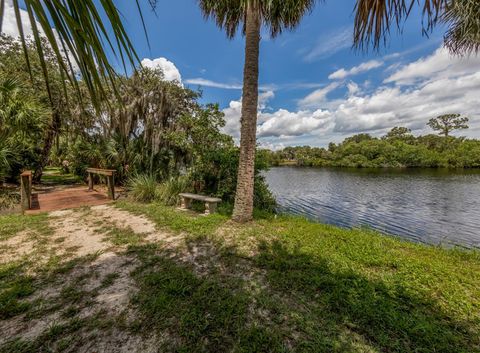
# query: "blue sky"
{"type": "Point", "coordinates": [315, 88]}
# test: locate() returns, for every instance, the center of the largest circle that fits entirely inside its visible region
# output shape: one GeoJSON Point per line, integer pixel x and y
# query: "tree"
{"type": "Point", "coordinates": [398, 132]}
{"type": "Point", "coordinates": [58, 100]}
{"type": "Point", "coordinates": [22, 120]}
{"type": "Point", "coordinates": [445, 124]}
{"type": "Point", "coordinates": [374, 19]}
{"type": "Point", "coordinates": [229, 15]}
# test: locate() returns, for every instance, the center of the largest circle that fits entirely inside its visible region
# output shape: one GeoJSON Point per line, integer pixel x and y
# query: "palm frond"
{"type": "Point", "coordinates": [79, 37]}
{"type": "Point", "coordinates": [375, 18]}
{"type": "Point", "coordinates": [463, 35]}
{"type": "Point", "coordinates": [277, 15]}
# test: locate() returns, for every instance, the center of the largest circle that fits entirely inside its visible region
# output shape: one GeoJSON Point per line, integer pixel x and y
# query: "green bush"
{"type": "Point", "coordinates": [167, 192]}
{"type": "Point", "coordinates": [143, 187]}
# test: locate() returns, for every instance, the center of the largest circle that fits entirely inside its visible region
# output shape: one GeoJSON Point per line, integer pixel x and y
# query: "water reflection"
{"type": "Point", "coordinates": [431, 206]}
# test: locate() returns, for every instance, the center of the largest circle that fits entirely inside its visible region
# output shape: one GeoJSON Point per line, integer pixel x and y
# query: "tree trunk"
{"type": "Point", "coordinates": [51, 133]}
{"type": "Point", "coordinates": [243, 210]}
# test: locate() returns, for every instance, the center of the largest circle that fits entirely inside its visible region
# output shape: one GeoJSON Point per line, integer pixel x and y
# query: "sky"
{"type": "Point", "coordinates": [314, 88]}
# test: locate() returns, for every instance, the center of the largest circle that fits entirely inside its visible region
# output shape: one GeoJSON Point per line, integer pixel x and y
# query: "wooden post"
{"type": "Point", "coordinates": [90, 181]}
{"type": "Point", "coordinates": [111, 186]}
{"type": "Point", "coordinates": [26, 190]}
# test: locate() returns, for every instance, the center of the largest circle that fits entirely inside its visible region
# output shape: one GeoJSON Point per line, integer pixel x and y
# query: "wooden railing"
{"type": "Point", "coordinates": [26, 190]}
{"type": "Point", "coordinates": [109, 174]}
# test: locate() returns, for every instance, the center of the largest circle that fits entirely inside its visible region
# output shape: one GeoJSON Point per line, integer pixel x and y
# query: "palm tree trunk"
{"type": "Point", "coordinates": [243, 210]}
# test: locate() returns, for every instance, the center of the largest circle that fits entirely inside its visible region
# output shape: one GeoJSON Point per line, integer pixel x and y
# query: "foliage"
{"type": "Point", "coordinates": [167, 192]}
{"type": "Point", "coordinates": [22, 120]}
{"type": "Point", "coordinates": [374, 20]}
{"type": "Point", "coordinates": [447, 123]}
{"type": "Point", "coordinates": [277, 16]}
{"type": "Point", "coordinates": [463, 36]}
{"type": "Point", "coordinates": [8, 199]}
{"type": "Point", "coordinates": [397, 149]}
{"type": "Point", "coordinates": [143, 187]}
{"type": "Point", "coordinates": [79, 39]}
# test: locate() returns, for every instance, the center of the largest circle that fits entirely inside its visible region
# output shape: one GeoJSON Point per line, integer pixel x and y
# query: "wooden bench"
{"type": "Point", "coordinates": [109, 174]}
{"type": "Point", "coordinates": [26, 190]}
{"type": "Point", "coordinates": [210, 202]}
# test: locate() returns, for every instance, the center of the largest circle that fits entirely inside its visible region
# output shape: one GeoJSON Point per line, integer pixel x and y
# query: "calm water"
{"type": "Point", "coordinates": [430, 206]}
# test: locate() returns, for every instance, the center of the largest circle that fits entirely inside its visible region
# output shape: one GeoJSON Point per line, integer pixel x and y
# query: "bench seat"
{"type": "Point", "coordinates": [210, 202]}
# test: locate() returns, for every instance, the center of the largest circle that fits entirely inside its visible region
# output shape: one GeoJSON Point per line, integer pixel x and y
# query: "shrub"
{"type": "Point", "coordinates": [8, 199]}
{"type": "Point", "coordinates": [167, 192]}
{"type": "Point", "coordinates": [143, 187]}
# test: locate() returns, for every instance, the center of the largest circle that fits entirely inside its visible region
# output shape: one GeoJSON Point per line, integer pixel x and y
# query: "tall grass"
{"type": "Point", "coordinates": [143, 187]}
{"type": "Point", "coordinates": [167, 192]}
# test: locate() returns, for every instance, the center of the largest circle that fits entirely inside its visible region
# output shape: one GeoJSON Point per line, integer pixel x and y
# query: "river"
{"type": "Point", "coordinates": [429, 206]}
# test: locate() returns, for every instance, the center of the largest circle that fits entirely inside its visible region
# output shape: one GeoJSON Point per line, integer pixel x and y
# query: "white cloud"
{"type": "Point", "coordinates": [10, 27]}
{"type": "Point", "coordinates": [366, 66]}
{"type": "Point", "coordinates": [286, 123]}
{"type": "Point", "coordinates": [329, 44]}
{"type": "Point", "coordinates": [281, 123]}
{"type": "Point", "coordinates": [168, 68]}
{"type": "Point", "coordinates": [208, 83]}
{"type": "Point", "coordinates": [353, 88]}
{"type": "Point", "coordinates": [440, 64]}
{"type": "Point", "coordinates": [318, 97]}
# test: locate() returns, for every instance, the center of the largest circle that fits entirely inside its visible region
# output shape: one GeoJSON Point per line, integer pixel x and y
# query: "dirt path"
{"type": "Point", "coordinates": [97, 282]}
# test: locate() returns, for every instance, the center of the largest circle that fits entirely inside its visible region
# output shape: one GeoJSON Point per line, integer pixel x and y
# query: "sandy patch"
{"type": "Point", "coordinates": [17, 247]}
{"type": "Point", "coordinates": [124, 219]}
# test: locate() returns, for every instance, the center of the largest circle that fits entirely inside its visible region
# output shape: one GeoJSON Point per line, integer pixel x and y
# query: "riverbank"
{"type": "Point", "coordinates": [143, 277]}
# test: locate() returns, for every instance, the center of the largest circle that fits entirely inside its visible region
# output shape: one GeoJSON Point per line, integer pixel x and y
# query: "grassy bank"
{"type": "Point", "coordinates": [313, 287]}
{"type": "Point", "coordinates": [204, 284]}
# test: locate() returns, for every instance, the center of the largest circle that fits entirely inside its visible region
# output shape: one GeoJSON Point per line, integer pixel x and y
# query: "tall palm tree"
{"type": "Point", "coordinates": [374, 19]}
{"type": "Point", "coordinates": [276, 15]}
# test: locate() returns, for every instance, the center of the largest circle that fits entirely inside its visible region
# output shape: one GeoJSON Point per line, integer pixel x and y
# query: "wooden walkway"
{"type": "Point", "coordinates": [61, 199]}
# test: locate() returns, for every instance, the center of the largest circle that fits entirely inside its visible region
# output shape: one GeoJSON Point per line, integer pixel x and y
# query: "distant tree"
{"type": "Point", "coordinates": [445, 124]}
{"type": "Point", "coordinates": [332, 147]}
{"type": "Point", "coordinates": [398, 132]}
{"type": "Point", "coordinates": [358, 138]}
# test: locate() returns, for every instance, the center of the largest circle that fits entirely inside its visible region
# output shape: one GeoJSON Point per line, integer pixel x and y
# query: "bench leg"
{"type": "Point", "coordinates": [186, 203]}
{"type": "Point", "coordinates": [210, 207]}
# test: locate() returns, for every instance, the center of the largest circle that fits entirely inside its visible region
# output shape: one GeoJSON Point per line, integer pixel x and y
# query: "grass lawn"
{"type": "Point", "coordinates": [204, 284]}
{"type": "Point", "coordinates": [55, 176]}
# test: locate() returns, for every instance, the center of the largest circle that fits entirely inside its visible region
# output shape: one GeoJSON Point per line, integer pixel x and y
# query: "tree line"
{"type": "Point", "coordinates": [399, 148]}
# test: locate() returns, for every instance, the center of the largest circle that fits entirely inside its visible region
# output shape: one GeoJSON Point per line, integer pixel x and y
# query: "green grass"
{"type": "Point", "coordinates": [11, 225]}
{"type": "Point", "coordinates": [319, 289]}
{"type": "Point", "coordinates": [275, 285]}
{"type": "Point", "coordinates": [55, 176]}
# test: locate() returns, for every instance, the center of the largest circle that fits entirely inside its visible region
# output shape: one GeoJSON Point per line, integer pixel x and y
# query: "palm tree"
{"type": "Point", "coordinates": [22, 119]}
{"type": "Point", "coordinates": [79, 38]}
{"type": "Point", "coordinates": [374, 19]}
{"type": "Point", "coordinates": [251, 14]}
